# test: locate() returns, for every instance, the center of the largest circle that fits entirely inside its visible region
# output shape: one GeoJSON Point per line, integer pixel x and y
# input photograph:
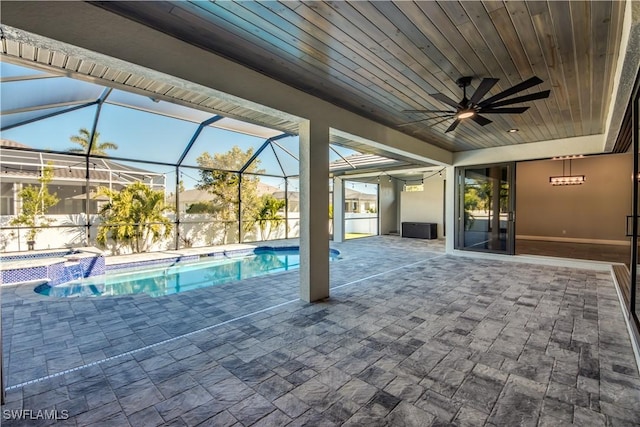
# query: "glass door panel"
{"type": "Point", "coordinates": [634, 305]}
{"type": "Point", "coordinates": [485, 208]}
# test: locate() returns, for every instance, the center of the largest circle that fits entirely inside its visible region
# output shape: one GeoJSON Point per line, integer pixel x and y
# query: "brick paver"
{"type": "Point", "coordinates": [443, 339]}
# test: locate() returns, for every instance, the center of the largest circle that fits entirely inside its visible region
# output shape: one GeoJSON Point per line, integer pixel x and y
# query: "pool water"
{"type": "Point", "coordinates": [180, 278]}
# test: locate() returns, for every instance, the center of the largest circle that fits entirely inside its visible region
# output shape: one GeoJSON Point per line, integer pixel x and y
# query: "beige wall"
{"type": "Point", "coordinates": [593, 211]}
{"type": "Point", "coordinates": [388, 206]}
{"type": "Point", "coordinates": [425, 206]}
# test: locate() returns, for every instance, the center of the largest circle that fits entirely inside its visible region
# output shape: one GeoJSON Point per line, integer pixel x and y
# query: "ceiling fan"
{"type": "Point", "coordinates": [473, 107]}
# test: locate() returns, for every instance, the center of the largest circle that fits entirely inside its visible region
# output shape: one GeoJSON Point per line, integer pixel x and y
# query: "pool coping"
{"type": "Point", "coordinates": [79, 253]}
{"type": "Point", "coordinates": [40, 261]}
{"type": "Point", "coordinates": [150, 256]}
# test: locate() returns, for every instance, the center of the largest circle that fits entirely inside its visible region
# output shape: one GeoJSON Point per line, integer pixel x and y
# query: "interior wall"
{"type": "Point", "coordinates": [388, 209]}
{"type": "Point", "coordinates": [425, 206]}
{"type": "Point", "coordinates": [592, 212]}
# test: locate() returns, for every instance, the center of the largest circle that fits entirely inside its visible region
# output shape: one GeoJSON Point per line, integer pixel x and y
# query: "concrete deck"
{"type": "Point", "coordinates": [410, 336]}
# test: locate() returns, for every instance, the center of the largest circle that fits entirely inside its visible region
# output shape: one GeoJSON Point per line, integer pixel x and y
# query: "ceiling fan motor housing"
{"type": "Point", "coordinates": [474, 107]}
{"type": "Point", "coordinates": [463, 82]}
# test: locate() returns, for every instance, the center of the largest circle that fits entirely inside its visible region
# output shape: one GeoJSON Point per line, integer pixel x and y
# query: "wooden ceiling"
{"type": "Point", "coordinates": [380, 58]}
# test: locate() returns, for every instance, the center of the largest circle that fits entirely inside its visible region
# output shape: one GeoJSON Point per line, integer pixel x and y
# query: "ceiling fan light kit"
{"type": "Point", "coordinates": [472, 108]}
{"type": "Point", "coordinates": [466, 114]}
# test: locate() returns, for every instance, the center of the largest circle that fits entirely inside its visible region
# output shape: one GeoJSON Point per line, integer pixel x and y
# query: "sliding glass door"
{"type": "Point", "coordinates": [485, 208]}
{"type": "Point", "coordinates": [634, 298]}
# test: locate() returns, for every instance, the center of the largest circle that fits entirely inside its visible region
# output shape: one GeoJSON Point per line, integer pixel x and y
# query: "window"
{"type": "Point", "coordinates": [414, 187]}
{"type": "Point", "coordinates": [6, 200]}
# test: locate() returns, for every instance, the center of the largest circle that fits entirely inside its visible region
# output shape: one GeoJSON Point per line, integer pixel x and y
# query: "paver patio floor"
{"type": "Point", "coordinates": [410, 336]}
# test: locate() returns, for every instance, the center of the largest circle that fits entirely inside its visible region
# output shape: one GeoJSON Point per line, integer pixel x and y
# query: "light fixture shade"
{"type": "Point", "coordinates": [567, 180]}
{"type": "Point", "coordinates": [465, 114]}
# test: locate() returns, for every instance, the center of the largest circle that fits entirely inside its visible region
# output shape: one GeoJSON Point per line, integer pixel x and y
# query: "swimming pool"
{"type": "Point", "coordinates": [161, 281]}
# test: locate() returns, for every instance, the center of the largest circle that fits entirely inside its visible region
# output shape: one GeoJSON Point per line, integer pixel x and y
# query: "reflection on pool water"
{"type": "Point", "coordinates": [181, 278]}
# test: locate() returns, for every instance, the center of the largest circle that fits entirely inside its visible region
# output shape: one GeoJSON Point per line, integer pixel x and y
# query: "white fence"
{"type": "Point", "coordinates": [195, 230]}
{"type": "Point", "coordinates": [361, 223]}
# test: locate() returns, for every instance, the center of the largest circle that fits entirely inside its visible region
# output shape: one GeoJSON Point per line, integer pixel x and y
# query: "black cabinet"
{"type": "Point", "coordinates": [420, 230]}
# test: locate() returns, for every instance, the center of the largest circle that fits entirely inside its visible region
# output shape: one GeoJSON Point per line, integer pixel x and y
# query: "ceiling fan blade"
{"type": "Point", "coordinates": [485, 86]}
{"type": "Point", "coordinates": [428, 111]}
{"type": "Point", "coordinates": [512, 110]}
{"type": "Point", "coordinates": [514, 89]}
{"type": "Point", "coordinates": [524, 98]}
{"type": "Point", "coordinates": [440, 121]}
{"type": "Point", "coordinates": [444, 98]}
{"type": "Point", "coordinates": [447, 117]}
{"type": "Point", "coordinates": [453, 125]}
{"type": "Point", "coordinates": [482, 121]}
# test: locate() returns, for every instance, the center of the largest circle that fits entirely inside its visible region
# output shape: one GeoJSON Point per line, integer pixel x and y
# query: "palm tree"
{"type": "Point", "coordinates": [134, 217]}
{"type": "Point", "coordinates": [97, 148]}
{"type": "Point", "coordinates": [267, 216]}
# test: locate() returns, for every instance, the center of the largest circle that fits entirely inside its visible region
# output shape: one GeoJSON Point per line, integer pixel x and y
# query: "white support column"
{"type": "Point", "coordinates": [338, 209]}
{"type": "Point", "coordinates": [451, 222]}
{"type": "Point", "coordinates": [314, 211]}
{"type": "Point", "coordinates": [17, 201]}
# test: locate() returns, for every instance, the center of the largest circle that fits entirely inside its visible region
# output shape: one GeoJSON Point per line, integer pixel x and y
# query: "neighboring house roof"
{"type": "Point", "coordinates": [291, 195]}
{"type": "Point", "coordinates": [350, 194]}
{"type": "Point", "coordinates": [194, 195]}
{"type": "Point", "coordinates": [10, 143]}
{"type": "Point", "coordinates": [20, 163]}
{"type": "Point", "coordinates": [266, 189]}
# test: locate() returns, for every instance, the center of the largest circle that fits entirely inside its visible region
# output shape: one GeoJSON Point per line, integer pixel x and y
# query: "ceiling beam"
{"type": "Point", "coordinates": [591, 144]}
{"type": "Point", "coordinates": [626, 72]}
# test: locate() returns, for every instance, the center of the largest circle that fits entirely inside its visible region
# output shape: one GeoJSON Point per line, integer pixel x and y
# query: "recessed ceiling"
{"type": "Point", "coordinates": [380, 58]}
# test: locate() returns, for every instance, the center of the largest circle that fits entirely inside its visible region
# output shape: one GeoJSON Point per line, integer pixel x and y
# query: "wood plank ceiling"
{"type": "Point", "coordinates": [380, 58]}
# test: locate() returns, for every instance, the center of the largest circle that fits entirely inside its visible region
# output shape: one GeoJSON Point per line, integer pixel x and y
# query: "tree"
{"type": "Point", "coordinates": [471, 203]}
{"type": "Point", "coordinates": [202, 207]}
{"type": "Point", "coordinates": [97, 148]}
{"type": "Point", "coordinates": [134, 217]}
{"type": "Point", "coordinates": [268, 217]}
{"type": "Point", "coordinates": [36, 200]}
{"type": "Point", "coordinates": [216, 178]}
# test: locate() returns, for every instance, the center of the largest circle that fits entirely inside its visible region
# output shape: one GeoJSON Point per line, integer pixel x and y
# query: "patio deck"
{"type": "Point", "coordinates": [410, 336]}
